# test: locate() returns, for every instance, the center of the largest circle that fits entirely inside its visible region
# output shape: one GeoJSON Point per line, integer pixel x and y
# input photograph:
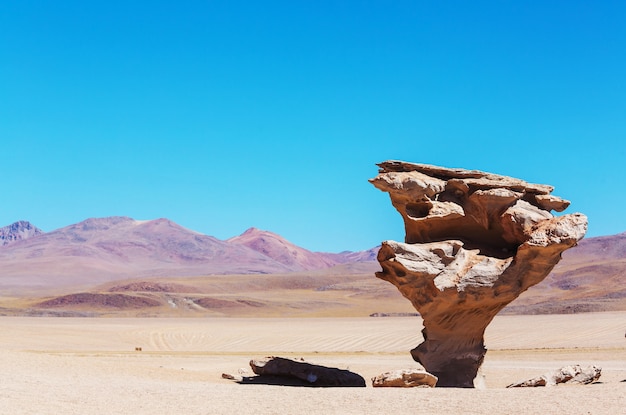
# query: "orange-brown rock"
{"type": "Point", "coordinates": [405, 378]}
{"type": "Point", "coordinates": [474, 242]}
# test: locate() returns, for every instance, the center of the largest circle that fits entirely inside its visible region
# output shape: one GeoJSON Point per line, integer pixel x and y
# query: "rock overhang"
{"type": "Point", "coordinates": [486, 211]}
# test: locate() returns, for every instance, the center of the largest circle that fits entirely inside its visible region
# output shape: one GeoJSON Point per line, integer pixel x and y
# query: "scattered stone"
{"type": "Point", "coordinates": [572, 375]}
{"type": "Point", "coordinates": [474, 242]}
{"type": "Point", "coordinates": [405, 378]}
{"type": "Point", "coordinates": [232, 377]}
{"type": "Point", "coordinates": [395, 315]}
{"type": "Point", "coordinates": [311, 375]}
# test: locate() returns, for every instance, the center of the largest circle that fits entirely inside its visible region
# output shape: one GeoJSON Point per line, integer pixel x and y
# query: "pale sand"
{"type": "Point", "coordinates": [89, 366]}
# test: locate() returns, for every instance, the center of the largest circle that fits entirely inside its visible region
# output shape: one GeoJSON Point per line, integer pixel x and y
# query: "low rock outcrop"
{"type": "Point", "coordinates": [100, 300]}
{"type": "Point", "coordinates": [306, 373]}
{"type": "Point", "coordinates": [573, 375]}
{"type": "Point", "coordinates": [405, 378]}
{"type": "Point", "coordinates": [474, 242]}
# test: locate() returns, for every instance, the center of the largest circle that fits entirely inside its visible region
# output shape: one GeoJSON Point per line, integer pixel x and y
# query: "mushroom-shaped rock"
{"type": "Point", "coordinates": [474, 242]}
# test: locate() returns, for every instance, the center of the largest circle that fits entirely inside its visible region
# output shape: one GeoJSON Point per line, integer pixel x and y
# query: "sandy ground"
{"type": "Point", "coordinates": [90, 366]}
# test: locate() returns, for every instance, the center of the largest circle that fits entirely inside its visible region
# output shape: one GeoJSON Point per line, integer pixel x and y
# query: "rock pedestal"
{"type": "Point", "coordinates": [474, 242]}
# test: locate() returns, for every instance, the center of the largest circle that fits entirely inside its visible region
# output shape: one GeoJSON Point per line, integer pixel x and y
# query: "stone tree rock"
{"type": "Point", "coordinates": [474, 242]}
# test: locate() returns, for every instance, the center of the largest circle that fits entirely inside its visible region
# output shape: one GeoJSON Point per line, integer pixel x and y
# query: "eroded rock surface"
{"type": "Point", "coordinates": [474, 242]}
{"type": "Point", "coordinates": [307, 373]}
{"type": "Point", "coordinates": [573, 375]}
{"type": "Point", "coordinates": [405, 378]}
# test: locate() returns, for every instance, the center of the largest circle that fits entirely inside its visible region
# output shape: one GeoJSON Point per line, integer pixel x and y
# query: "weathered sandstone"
{"type": "Point", "coordinates": [405, 378]}
{"type": "Point", "coordinates": [474, 242]}
{"type": "Point", "coordinates": [573, 375]}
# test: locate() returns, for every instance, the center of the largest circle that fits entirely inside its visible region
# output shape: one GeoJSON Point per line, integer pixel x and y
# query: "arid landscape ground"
{"type": "Point", "coordinates": [90, 366]}
{"type": "Point", "coordinates": [71, 347]}
{"type": "Point", "coordinates": [122, 267]}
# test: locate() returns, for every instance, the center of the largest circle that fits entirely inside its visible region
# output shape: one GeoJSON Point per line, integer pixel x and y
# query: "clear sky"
{"type": "Point", "coordinates": [222, 115]}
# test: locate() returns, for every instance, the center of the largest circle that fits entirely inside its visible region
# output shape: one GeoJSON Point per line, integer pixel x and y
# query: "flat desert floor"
{"type": "Point", "coordinates": [90, 366]}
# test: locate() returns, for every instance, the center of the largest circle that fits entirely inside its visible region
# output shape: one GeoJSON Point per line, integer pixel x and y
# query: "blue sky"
{"type": "Point", "coordinates": [221, 115]}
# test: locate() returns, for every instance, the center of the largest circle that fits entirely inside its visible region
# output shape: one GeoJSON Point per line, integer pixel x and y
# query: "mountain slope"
{"type": "Point", "coordinates": [347, 257]}
{"type": "Point", "coordinates": [283, 251]}
{"type": "Point", "coordinates": [590, 277]}
{"type": "Point", "coordinates": [105, 249]}
{"type": "Point", "coordinates": [18, 231]}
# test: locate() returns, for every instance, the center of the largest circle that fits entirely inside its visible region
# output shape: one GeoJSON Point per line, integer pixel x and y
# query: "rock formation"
{"type": "Point", "coordinates": [572, 375]}
{"type": "Point", "coordinates": [305, 373]}
{"type": "Point", "coordinates": [405, 378]}
{"type": "Point", "coordinates": [18, 231]}
{"type": "Point", "coordinates": [474, 242]}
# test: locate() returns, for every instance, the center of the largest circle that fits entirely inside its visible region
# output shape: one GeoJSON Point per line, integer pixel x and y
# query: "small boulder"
{"type": "Point", "coordinates": [572, 375]}
{"type": "Point", "coordinates": [405, 378]}
{"type": "Point", "coordinates": [309, 374]}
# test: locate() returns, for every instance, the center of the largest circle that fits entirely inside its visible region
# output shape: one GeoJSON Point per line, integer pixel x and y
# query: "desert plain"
{"type": "Point", "coordinates": [53, 365]}
{"type": "Point", "coordinates": [68, 341]}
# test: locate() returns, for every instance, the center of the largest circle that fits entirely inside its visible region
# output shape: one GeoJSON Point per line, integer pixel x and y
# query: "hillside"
{"type": "Point", "coordinates": [18, 231]}
{"type": "Point", "coordinates": [121, 266]}
{"type": "Point", "coordinates": [107, 249]}
{"type": "Point", "coordinates": [282, 251]}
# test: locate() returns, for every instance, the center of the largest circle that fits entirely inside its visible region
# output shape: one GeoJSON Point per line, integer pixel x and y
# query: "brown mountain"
{"type": "Point", "coordinates": [18, 231]}
{"type": "Point", "coordinates": [297, 258]}
{"type": "Point", "coordinates": [284, 252]}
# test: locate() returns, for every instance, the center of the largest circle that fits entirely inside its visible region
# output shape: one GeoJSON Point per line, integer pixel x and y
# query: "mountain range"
{"type": "Point", "coordinates": [118, 263]}
{"type": "Point", "coordinates": [105, 249]}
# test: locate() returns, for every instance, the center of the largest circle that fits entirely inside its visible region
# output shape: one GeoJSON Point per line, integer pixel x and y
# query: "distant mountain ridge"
{"type": "Point", "coordinates": [590, 277]}
{"type": "Point", "coordinates": [105, 249]}
{"type": "Point", "coordinates": [283, 251]}
{"type": "Point", "coordinates": [18, 231]}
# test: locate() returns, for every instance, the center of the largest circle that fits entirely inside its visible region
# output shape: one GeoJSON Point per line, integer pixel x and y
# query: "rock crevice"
{"type": "Point", "coordinates": [474, 242]}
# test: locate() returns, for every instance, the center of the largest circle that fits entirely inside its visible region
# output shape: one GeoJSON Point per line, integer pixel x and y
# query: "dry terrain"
{"type": "Point", "coordinates": [139, 278]}
{"type": "Point", "coordinates": [90, 366]}
{"type": "Point", "coordinates": [122, 267]}
{"type": "Point", "coordinates": [323, 293]}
